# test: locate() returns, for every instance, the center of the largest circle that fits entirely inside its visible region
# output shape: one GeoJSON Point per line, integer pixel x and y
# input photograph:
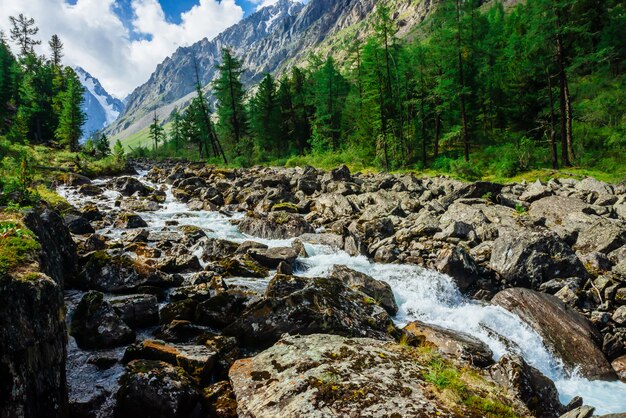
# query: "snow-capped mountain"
{"type": "Point", "coordinates": [100, 107]}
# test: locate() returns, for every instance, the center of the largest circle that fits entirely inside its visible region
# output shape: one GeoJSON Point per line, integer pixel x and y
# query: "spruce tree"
{"type": "Point", "coordinates": [265, 119]}
{"type": "Point", "coordinates": [230, 94]}
{"type": "Point", "coordinates": [56, 48]}
{"type": "Point", "coordinates": [156, 131]}
{"type": "Point", "coordinates": [72, 117]}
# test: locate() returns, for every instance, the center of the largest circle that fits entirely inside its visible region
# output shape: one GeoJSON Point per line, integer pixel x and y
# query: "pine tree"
{"type": "Point", "coordinates": [118, 152]}
{"type": "Point", "coordinates": [265, 119]}
{"type": "Point", "coordinates": [102, 145]}
{"type": "Point", "coordinates": [72, 117]}
{"type": "Point", "coordinates": [156, 131]}
{"type": "Point", "coordinates": [329, 93]}
{"type": "Point", "coordinates": [56, 47]}
{"type": "Point", "coordinates": [22, 33]}
{"type": "Point", "coordinates": [176, 134]}
{"type": "Point", "coordinates": [230, 95]}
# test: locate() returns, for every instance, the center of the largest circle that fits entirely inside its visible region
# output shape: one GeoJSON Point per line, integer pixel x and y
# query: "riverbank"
{"type": "Point", "coordinates": [191, 275]}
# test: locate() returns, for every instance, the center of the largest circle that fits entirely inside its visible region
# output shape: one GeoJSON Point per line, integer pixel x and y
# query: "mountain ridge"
{"type": "Point", "coordinates": [295, 31]}
{"type": "Point", "coordinates": [101, 109]}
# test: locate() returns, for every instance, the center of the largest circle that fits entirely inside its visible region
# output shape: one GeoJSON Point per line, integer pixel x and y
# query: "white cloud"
{"type": "Point", "coordinates": [96, 39]}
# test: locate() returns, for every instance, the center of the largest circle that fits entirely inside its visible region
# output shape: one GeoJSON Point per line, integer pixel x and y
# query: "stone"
{"type": "Point", "coordinates": [535, 191]}
{"type": "Point", "coordinates": [216, 249]}
{"type": "Point", "coordinates": [136, 310]}
{"type": "Point", "coordinates": [59, 260]}
{"type": "Point", "coordinates": [275, 225]}
{"type": "Point", "coordinates": [565, 331]}
{"type": "Point", "coordinates": [128, 186]}
{"type": "Point", "coordinates": [458, 264]}
{"type": "Point", "coordinates": [33, 342]}
{"type": "Point", "coordinates": [526, 383]}
{"type": "Point", "coordinates": [197, 360]}
{"type": "Point", "coordinates": [157, 389]}
{"type": "Point", "coordinates": [243, 266]}
{"type": "Point", "coordinates": [130, 221]}
{"type": "Point", "coordinates": [603, 236]}
{"type": "Point", "coordinates": [78, 225]}
{"type": "Point", "coordinates": [619, 316]}
{"type": "Point", "coordinates": [324, 375]}
{"type": "Point", "coordinates": [305, 306]}
{"type": "Point", "coordinates": [619, 365]}
{"type": "Point", "coordinates": [378, 290]}
{"type": "Point", "coordinates": [95, 324]}
{"type": "Point", "coordinates": [529, 258]}
{"type": "Point", "coordinates": [272, 257]}
{"type": "Point", "coordinates": [579, 412]}
{"type": "Point", "coordinates": [221, 400]}
{"type": "Point", "coordinates": [185, 263]}
{"type": "Point", "coordinates": [222, 309]}
{"type": "Point", "coordinates": [457, 346]}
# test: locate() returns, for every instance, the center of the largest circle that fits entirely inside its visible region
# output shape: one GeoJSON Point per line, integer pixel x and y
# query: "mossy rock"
{"type": "Point", "coordinates": [285, 207]}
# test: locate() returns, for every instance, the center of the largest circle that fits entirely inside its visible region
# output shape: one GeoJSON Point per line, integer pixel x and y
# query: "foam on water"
{"type": "Point", "coordinates": [421, 294]}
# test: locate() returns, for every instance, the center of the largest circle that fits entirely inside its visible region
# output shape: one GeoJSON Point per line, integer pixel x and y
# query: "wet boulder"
{"type": "Point", "coordinates": [157, 389]}
{"type": "Point", "coordinates": [197, 360]}
{"type": "Point", "coordinates": [527, 258]}
{"type": "Point", "coordinates": [119, 274]}
{"type": "Point", "coordinates": [529, 385]}
{"type": "Point", "coordinates": [78, 225]}
{"type": "Point", "coordinates": [458, 264]}
{"type": "Point", "coordinates": [298, 305]}
{"type": "Point", "coordinates": [90, 190]}
{"type": "Point", "coordinates": [275, 225]}
{"type": "Point", "coordinates": [136, 310]}
{"type": "Point", "coordinates": [272, 257]}
{"type": "Point", "coordinates": [217, 249]}
{"type": "Point", "coordinates": [222, 309]}
{"type": "Point", "coordinates": [378, 290]}
{"type": "Point", "coordinates": [185, 263]}
{"type": "Point", "coordinates": [130, 221]}
{"type": "Point", "coordinates": [95, 324]}
{"type": "Point", "coordinates": [243, 266]}
{"type": "Point", "coordinates": [454, 345]}
{"type": "Point", "coordinates": [564, 330]}
{"type": "Point", "coordinates": [129, 186]}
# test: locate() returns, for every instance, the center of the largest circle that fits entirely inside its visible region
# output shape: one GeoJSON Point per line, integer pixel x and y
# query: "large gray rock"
{"type": "Point", "coordinates": [157, 389]}
{"type": "Point", "coordinates": [33, 343]}
{"type": "Point", "coordinates": [298, 305]}
{"type": "Point", "coordinates": [527, 384]}
{"type": "Point", "coordinates": [95, 324]}
{"type": "Point", "coordinates": [527, 258]}
{"type": "Point", "coordinates": [457, 346]}
{"type": "Point", "coordinates": [327, 375]}
{"type": "Point", "coordinates": [276, 225]}
{"type": "Point", "coordinates": [137, 310]}
{"type": "Point", "coordinates": [565, 331]}
{"type": "Point", "coordinates": [380, 291]}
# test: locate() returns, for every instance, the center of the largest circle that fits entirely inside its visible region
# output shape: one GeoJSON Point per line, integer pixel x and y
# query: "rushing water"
{"type": "Point", "coordinates": [421, 294]}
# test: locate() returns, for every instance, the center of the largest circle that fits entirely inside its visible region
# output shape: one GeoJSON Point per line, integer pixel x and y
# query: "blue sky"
{"type": "Point", "coordinates": [121, 42]}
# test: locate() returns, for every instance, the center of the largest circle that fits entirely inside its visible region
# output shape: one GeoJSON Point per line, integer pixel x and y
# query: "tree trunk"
{"type": "Point", "coordinates": [568, 124]}
{"type": "Point", "coordinates": [553, 150]}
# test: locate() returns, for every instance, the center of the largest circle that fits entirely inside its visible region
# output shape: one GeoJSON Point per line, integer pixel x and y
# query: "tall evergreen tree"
{"type": "Point", "coordinates": [72, 117]}
{"type": "Point", "coordinates": [22, 32]}
{"type": "Point", "coordinates": [156, 132]}
{"type": "Point", "coordinates": [230, 94]}
{"type": "Point", "coordinates": [56, 48]}
{"type": "Point", "coordinates": [265, 117]}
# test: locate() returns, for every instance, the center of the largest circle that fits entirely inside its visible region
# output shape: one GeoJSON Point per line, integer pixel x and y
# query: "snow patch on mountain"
{"type": "Point", "coordinates": [101, 108]}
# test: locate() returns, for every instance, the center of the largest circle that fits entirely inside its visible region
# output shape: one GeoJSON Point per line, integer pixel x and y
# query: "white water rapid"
{"type": "Point", "coordinates": [420, 293]}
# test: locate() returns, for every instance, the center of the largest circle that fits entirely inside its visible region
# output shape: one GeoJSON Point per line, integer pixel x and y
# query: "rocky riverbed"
{"type": "Point", "coordinates": [198, 291]}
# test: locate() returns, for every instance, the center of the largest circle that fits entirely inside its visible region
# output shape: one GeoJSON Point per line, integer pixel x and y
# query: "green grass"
{"type": "Point", "coordinates": [18, 246]}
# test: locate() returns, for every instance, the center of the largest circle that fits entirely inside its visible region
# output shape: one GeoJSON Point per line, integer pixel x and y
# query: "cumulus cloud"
{"type": "Point", "coordinates": [96, 39]}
